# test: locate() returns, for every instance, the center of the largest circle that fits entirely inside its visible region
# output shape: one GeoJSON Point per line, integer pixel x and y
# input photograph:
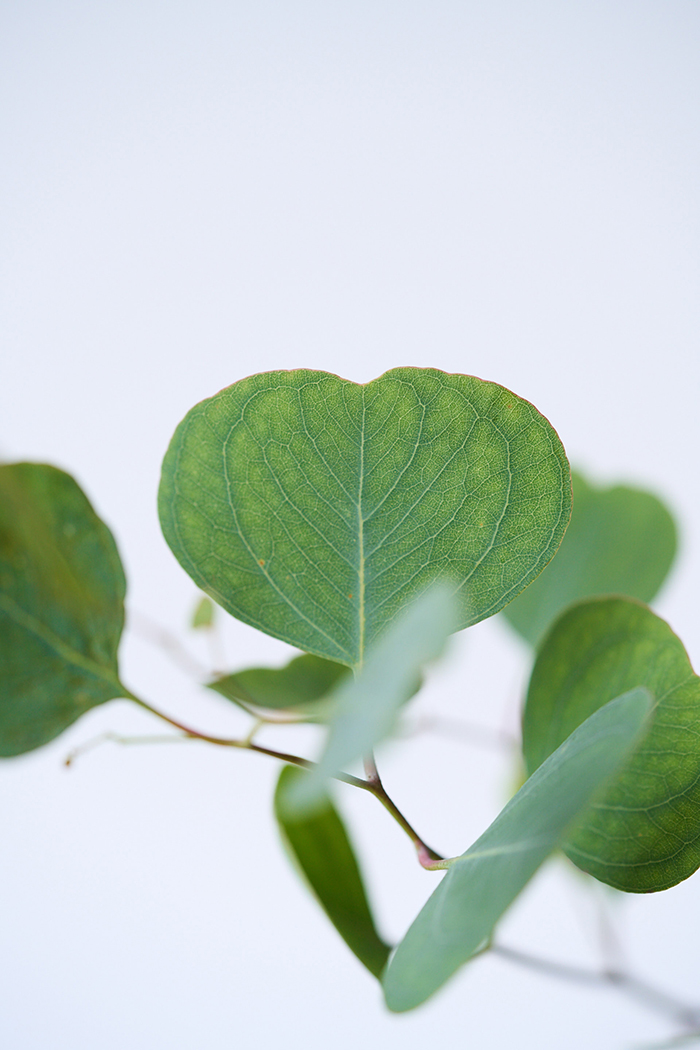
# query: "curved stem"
{"type": "Point", "coordinates": [427, 857]}
{"type": "Point", "coordinates": [651, 997]}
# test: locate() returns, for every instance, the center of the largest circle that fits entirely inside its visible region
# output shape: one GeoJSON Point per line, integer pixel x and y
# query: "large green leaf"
{"type": "Point", "coordinates": [619, 541]}
{"type": "Point", "coordinates": [321, 848]}
{"type": "Point", "coordinates": [481, 884]}
{"type": "Point", "coordinates": [644, 834]}
{"type": "Point", "coordinates": [315, 508]}
{"type": "Point", "coordinates": [365, 707]}
{"type": "Point", "coordinates": [304, 680]}
{"type": "Point", "coordinates": [61, 606]}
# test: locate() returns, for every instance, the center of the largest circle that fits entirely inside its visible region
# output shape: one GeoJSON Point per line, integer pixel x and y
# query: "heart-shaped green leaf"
{"type": "Point", "coordinates": [619, 541]}
{"type": "Point", "coordinates": [61, 606]}
{"type": "Point", "coordinates": [320, 846]}
{"type": "Point", "coordinates": [304, 680]}
{"type": "Point", "coordinates": [481, 884]}
{"type": "Point", "coordinates": [644, 835]}
{"type": "Point", "coordinates": [365, 707]}
{"type": "Point", "coordinates": [315, 508]}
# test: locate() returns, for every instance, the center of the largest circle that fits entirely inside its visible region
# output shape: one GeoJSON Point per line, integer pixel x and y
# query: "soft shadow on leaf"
{"type": "Point", "coordinates": [644, 835]}
{"type": "Point", "coordinates": [620, 540]}
{"type": "Point", "coordinates": [61, 606]}
{"type": "Point", "coordinates": [315, 509]}
{"type": "Point", "coordinates": [365, 708]}
{"type": "Point", "coordinates": [321, 849]}
{"type": "Point", "coordinates": [303, 681]}
{"type": "Point", "coordinates": [481, 885]}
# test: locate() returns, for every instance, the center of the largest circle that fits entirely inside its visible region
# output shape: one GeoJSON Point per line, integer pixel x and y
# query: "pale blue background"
{"type": "Point", "coordinates": [191, 192]}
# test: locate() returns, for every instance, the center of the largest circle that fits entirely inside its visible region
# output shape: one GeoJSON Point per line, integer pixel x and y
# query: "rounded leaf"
{"type": "Point", "coordinates": [644, 835]}
{"type": "Point", "coordinates": [61, 606]}
{"type": "Point", "coordinates": [314, 508]}
{"type": "Point", "coordinates": [620, 541]}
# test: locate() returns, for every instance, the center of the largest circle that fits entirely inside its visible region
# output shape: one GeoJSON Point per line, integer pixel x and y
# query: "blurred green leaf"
{"type": "Point", "coordinates": [315, 509]}
{"type": "Point", "coordinates": [203, 616]}
{"type": "Point", "coordinates": [619, 541]}
{"type": "Point", "coordinates": [644, 835]}
{"type": "Point", "coordinates": [304, 680]}
{"type": "Point", "coordinates": [365, 707]}
{"type": "Point", "coordinates": [61, 606]}
{"type": "Point", "coordinates": [320, 846]}
{"type": "Point", "coordinates": [479, 886]}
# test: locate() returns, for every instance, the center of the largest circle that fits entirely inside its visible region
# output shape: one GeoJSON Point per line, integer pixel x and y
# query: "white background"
{"type": "Point", "coordinates": [192, 192]}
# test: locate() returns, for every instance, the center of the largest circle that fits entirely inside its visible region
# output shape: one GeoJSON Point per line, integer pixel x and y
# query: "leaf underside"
{"type": "Point", "coordinates": [644, 834]}
{"type": "Point", "coordinates": [61, 606]}
{"type": "Point", "coordinates": [480, 886]}
{"type": "Point", "coordinates": [304, 680]}
{"type": "Point", "coordinates": [620, 540]}
{"type": "Point", "coordinates": [314, 508]}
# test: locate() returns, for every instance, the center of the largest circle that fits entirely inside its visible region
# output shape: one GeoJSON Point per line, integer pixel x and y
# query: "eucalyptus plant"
{"type": "Point", "coordinates": [363, 525]}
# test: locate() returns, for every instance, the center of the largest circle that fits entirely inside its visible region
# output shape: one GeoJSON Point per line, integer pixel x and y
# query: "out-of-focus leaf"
{"type": "Point", "coordinates": [480, 885]}
{"type": "Point", "coordinates": [304, 680]}
{"type": "Point", "coordinates": [315, 509]}
{"type": "Point", "coordinates": [644, 835]}
{"type": "Point", "coordinates": [203, 616]}
{"type": "Point", "coordinates": [365, 707]}
{"type": "Point", "coordinates": [61, 606]}
{"type": "Point", "coordinates": [619, 541]}
{"type": "Point", "coordinates": [320, 846]}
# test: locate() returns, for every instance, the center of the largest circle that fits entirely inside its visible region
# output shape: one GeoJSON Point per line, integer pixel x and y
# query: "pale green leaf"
{"type": "Point", "coordinates": [365, 707]}
{"type": "Point", "coordinates": [481, 885]}
{"type": "Point", "coordinates": [644, 835]}
{"type": "Point", "coordinates": [315, 509]}
{"type": "Point", "coordinates": [61, 606]}
{"type": "Point", "coordinates": [203, 615]}
{"type": "Point", "coordinates": [620, 541]}
{"type": "Point", "coordinates": [320, 846]}
{"type": "Point", "coordinates": [304, 680]}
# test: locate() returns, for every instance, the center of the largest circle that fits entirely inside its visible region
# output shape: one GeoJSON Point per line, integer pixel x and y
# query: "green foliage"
{"type": "Point", "coordinates": [645, 833]}
{"type": "Point", "coordinates": [365, 707]}
{"type": "Point", "coordinates": [203, 616]}
{"type": "Point", "coordinates": [481, 884]}
{"type": "Point", "coordinates": [363, 524]}
{"type": "Point", "coordinates": [315, 509]}
{"type": "Point", "coordinates": [303, 681]}
{"type": "Point", "coordinates": [320, 847]}
{"type": "Point", "coordinates": [61, 606]}
{"type": "Point", "coordinates": [619, 541]}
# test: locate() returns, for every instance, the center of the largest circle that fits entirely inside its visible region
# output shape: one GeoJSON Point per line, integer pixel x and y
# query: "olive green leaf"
{"type": "Point", "coordinates": [315, 508]}
{"type": "Point", "coordinates": [304, 680]}
{"type": "Point", "coordinates": [644, 835]}
{"type": "Point", "coordinates": [364, 708]}
{"type": "Point", "coordinates": [203, 615]}
{"type": "Point", "coordinates": [320, 846]}
{"type": "Point", "coordinates": [61, 606]}
{"type": "Point", "coordinates": [619, 541]}
{"type": "Point", "coordinates": [459, 917]}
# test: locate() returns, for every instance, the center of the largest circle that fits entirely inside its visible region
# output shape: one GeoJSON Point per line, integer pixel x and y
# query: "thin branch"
{"type": "Point", "coordinates": [109, 737]}
{"type": "Point", "coordinates": [653, 998]}
{"type": "Point", "coordinates": [460, 729]}
{"type": "Point", "coordinates": [150, 631]}
{"type": "Point", "coordinates": [427, 857]}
